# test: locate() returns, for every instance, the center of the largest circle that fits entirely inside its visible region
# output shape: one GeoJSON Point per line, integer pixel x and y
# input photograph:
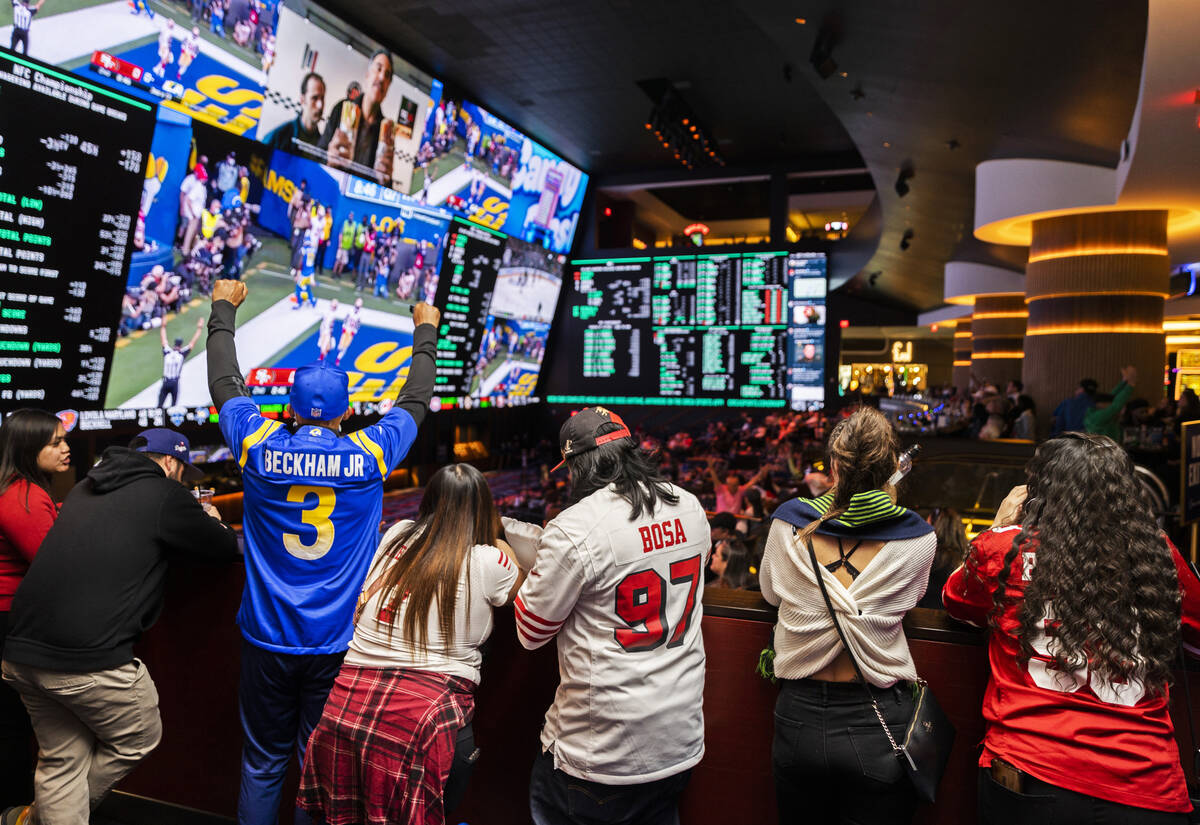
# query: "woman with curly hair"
{"type": "Point", "coordinates": [1082, 594]}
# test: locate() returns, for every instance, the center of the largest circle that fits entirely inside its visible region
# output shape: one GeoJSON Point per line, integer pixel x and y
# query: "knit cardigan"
{"type": "Point", "coordinates": [870, 610]}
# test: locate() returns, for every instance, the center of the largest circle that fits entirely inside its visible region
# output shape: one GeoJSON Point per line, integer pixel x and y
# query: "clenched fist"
{"type": "Point", "coordinates": [229, 290]}
{"type": "Point", "coordinates": [424, 313]}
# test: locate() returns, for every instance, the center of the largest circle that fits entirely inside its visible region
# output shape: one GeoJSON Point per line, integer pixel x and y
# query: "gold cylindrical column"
{"type": "Point", "coordinates": [997, 338]}
{"type": "Point", "coordinates": [1095, 285]}
{"type": "Point", "coordinates": [961, 374]}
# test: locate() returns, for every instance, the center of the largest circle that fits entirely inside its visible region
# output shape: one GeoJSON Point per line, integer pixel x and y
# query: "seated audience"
{"type": "Point", "coordinates": [832, 761]}
{"type": "Point", "coordinates": [395, 738]}
{"type": "Point", "coordinates": [1082, 594]}
{"type": "Point", "coordinates": [1024, 419]}
{"type": "Point", "coordinates": [33, 447]}
{"type": "Point", "coordinates": [88, 596]}
{"type": "Point", "coordinates": [951, 548]}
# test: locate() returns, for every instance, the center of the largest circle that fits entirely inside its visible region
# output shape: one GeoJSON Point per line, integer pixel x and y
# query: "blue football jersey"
{"type": "Point", "coordinates": [311, 511]}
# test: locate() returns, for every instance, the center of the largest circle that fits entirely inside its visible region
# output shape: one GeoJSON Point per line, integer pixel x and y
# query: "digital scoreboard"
{"type": "Point", "coordinates": [72, 158]}
{"type": "Point", "coordinates": [735, 329]}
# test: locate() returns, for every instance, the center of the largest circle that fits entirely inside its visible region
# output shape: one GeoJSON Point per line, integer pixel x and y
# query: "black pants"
{"type": "Point", "coordinates": [556, 798]}
{"type": "Point", "coordinates": [170, 387]}
{"type": "Point", "coordinates": [1044, 804]}
{"type": "Point", "coordinates": [16, 736]}
{"type": "Point", "coordinates": [831, 759]}
{"type": "Point", "coordinates": [19, 36]}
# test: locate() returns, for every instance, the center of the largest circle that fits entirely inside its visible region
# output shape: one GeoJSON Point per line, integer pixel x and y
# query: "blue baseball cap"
{"type": "Point", "coordinates": [320, 392]}
{"type": "Point", "coordinates": [168, 442]}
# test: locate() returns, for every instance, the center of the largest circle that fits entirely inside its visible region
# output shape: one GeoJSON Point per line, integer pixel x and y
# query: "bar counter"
{"type": "Point", "coordinates": [193, 655]}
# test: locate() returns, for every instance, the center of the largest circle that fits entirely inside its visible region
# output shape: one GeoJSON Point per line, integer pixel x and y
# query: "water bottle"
{"type": "Point", "coordinates": [905, 464]}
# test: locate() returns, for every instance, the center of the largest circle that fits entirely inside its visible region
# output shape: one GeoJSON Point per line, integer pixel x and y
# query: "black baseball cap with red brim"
{"type": "Point", "coordinates": [579, 432]}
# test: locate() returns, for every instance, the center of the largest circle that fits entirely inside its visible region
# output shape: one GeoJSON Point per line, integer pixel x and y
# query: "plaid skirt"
{"type": "Point", "coordinates": [384, 746]}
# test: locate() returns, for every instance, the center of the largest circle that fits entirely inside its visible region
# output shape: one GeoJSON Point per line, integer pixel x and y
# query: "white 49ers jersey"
{"type": "Point", "coordinates": [623, 599]}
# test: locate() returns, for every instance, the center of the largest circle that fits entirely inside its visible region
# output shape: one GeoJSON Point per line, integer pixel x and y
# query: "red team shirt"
{"type": "Point", "coordinates": [1114, 742]}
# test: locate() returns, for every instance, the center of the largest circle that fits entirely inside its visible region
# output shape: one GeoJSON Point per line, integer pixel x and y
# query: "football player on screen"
{"type": "Point", "coordinates": [325, 336]}
{"type": "Point", "coordinates": [350, 328]}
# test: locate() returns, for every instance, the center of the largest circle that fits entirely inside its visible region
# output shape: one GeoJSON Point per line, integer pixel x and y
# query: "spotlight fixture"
{"type": "Point", "coordinates": [906, 239]}
{"type": "Point", "coordinates": [906, 174]}
{"type": "Point", "coordinates": [675, 126]}
{"type": "Point", "coordinates": [873, 278]}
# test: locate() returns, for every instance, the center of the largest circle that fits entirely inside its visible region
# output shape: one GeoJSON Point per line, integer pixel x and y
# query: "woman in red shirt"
{"type": "Point", "coordinates": [1083, 595]}
{"type": "Point", "coordinates": [33, 446]}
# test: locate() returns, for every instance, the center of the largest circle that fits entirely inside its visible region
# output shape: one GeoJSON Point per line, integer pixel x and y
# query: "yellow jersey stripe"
{"type": "Point", "coordinates": [363, 440]}
{"type": "Point", "coordinates": [255, 438]}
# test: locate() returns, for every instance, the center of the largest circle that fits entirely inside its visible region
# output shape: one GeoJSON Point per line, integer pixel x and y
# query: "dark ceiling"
{"type": "Point", "coordinates": [938, 84]}
{"type": "Point", "coordinates": [566, 72]}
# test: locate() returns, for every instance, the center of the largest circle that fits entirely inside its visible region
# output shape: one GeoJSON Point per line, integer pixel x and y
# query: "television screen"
{"type": "Point", "coordinates": [738, 329]}
{"type": "Point", "coordinates": [334, 262]}
{"type": "Point", "coordinates": [292, 75]}
{"type": "Point", "coordinates": [499, 295]}
{"type": "Point", "coordinates": [71, 170]}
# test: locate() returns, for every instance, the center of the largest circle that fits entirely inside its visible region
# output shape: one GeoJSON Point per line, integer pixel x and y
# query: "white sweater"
{"type": "Point", "coordinates": [870, 610]}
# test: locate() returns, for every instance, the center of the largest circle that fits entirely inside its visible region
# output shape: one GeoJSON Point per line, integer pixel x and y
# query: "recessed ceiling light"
{"type": "Point", "coordinates": [887, 144]}
{"type": "Point", "coordinates": [801, 20]}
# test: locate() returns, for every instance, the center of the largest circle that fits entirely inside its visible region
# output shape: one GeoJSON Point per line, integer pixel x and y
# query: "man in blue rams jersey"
{"type": "Point", "coordinates": [312, 504]}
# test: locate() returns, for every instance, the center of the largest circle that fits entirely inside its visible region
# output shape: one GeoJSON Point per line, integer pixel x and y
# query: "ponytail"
{"type": "Point", "coordinates": [862, 453]}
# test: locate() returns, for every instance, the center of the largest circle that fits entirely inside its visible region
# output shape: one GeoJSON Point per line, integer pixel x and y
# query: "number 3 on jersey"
{"type": "Point", "coordinates": [317, 517]}
{"type": "Point", "coordinates": [641, 600]}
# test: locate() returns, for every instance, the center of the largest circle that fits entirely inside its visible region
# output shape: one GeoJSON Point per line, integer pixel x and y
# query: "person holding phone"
{"type": "Point", "coordinates": [1083, 596]}
{"type": "Point", "coordinates": [355, 128]}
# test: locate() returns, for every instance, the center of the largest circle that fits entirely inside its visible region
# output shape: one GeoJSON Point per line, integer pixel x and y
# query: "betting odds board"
{"type": "Point", "coordinates": [71, 171]}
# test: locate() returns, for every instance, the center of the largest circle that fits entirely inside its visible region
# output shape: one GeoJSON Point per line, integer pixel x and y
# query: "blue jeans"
{"type": "Point", "coordinates": [280, 699]}
{"type": "Point", "coordinates": [556, 798]}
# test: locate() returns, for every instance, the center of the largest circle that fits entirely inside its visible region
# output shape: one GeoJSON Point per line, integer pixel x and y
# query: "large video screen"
{"type": "Point", "coordinates": [122, 231]}
{"type": "Point", "coordinates": [293, 76]}
{"type": "Point", "coordinates": [742, 329]}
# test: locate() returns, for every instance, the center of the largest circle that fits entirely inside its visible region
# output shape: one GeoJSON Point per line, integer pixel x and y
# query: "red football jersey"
{"type": "Point", "coordinates": [1112, 741]}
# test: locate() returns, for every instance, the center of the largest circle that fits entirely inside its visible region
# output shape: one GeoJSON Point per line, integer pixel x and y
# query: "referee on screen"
{"type": "Point", "coordinates": [173, 358]}
{"type": "Point", "coordinates": [23, 14]}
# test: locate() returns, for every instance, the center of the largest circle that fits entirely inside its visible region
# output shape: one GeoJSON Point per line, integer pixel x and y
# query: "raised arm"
{"type": "Point", "coordinates": [224, 375]}
{"type": "Point", "coordinates": [418, 389]}
{"type": "Point", "coordinates": [162, 333]}
{"type": "Point", "coordinates": [196, 336]}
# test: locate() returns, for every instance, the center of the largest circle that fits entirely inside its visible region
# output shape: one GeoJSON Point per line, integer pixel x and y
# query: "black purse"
{"type": "Point", "coordinates": [930, 734]}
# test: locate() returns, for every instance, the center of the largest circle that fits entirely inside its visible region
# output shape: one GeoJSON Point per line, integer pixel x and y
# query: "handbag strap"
{"type": "Point", "coordinates": [812, 555]}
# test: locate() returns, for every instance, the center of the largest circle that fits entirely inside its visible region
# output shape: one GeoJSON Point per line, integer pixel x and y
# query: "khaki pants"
{"type": "Point", "coordinates": [92, 729]}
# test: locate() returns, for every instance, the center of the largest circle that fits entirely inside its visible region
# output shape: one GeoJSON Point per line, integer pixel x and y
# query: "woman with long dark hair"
{"type": "Point", "coordinates": [831, 757]}
{"type": "Point", "coordinates": [951, 549]}
{"type": "Point", "coordinates": [731, 561]}
{"type": "Point", "coordinates": [1082, 593]}
{"type": "Point", "coordinates": [33, 447]}
{"type": "Point", "coordinates": [398, 717]}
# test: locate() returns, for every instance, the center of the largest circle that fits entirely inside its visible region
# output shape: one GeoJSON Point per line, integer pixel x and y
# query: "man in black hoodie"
{"type": "Point", "coordinates": [94, 587]}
